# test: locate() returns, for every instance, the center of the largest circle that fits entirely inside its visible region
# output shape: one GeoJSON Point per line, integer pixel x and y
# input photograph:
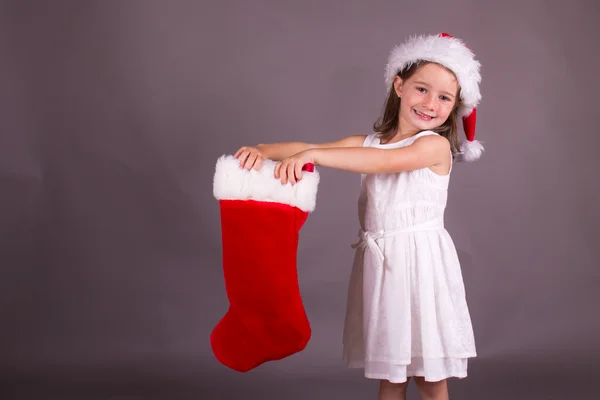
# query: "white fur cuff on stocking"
{"type": "Point", "coordinates": [232, 182]}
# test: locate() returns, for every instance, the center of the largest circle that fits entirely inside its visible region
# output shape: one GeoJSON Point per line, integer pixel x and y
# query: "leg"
{"type": "Point", "coordinates": [432, 390]}
{"type": "Point", "coordinates": [392, 391]}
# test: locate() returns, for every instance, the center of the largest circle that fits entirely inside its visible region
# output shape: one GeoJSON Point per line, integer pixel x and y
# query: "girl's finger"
{"type": "Point", "coordinates": [283, 173]}
{"type": "Point", "coordinates": [290, 173]}
{"type": "Point", "coordinates": [251, 161]}
{"type": "Point", "coordinates": [277, 166]}
{"type": "Point", "coordinates": [258, 164]}
{"type": "Point", "coordinates": [243, 156]}
{"type": "Point", "coordinates": [298, 171]}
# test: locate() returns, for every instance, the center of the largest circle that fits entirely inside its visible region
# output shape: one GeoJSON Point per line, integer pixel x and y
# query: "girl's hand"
{"type": "Point", "coordinates": [290, 169]}
{"type": "Point", "coordinates": [250, 157]}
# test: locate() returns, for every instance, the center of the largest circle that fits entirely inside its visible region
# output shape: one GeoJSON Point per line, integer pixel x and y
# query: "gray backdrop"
{"type": "Point", "coordinates": [112, 116]}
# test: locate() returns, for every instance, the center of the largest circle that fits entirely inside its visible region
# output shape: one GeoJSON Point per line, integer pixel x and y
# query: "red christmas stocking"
{"type": "Point", "coordinates": [260, 224]}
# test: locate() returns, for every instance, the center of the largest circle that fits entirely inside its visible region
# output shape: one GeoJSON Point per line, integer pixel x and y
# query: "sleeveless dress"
{"type": "Point", "coordinates": [406, 312]}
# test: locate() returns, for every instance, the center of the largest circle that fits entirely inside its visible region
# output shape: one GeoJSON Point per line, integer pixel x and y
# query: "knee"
{"type": "Point", "coordinates": [431, 389]}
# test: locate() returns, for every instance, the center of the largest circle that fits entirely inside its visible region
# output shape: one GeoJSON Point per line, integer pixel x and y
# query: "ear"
{"type": "Point", "coordinates": [398, 85]}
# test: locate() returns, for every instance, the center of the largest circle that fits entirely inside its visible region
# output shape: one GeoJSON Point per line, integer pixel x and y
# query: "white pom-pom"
{"type": "Point", "coordinates": [470, 151]}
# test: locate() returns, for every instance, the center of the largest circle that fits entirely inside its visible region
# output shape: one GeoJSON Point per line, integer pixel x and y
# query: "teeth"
{"type": "Point", "coordinates": [423, 115]}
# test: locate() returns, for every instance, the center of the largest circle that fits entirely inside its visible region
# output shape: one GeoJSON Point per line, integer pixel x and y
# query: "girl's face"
{"type": "Point", "coordinates": [427, 98]}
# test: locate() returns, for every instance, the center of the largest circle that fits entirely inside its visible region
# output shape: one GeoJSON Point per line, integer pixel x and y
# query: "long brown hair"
{"type": "Point", "coordinates": [387, 125]}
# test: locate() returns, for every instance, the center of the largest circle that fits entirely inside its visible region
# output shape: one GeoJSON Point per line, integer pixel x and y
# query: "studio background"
{"type": "Point", "coordinates": [112, 117]}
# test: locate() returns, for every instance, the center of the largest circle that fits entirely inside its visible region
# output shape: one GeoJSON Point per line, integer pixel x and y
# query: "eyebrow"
{"type": "Point", "coordinates": [428, 85]}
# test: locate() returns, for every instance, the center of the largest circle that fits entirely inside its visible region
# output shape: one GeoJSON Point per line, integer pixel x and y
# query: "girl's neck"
{"type": "Point", "coordinates": [402, 134]}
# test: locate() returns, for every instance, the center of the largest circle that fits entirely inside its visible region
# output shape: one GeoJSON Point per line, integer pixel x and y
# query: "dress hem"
{"type": "Point", "coordinates": [407, 361]}
{"type": "Point", "coordinates": [402, 372]}
{"type": "Point", "coordinates": [427, 378]}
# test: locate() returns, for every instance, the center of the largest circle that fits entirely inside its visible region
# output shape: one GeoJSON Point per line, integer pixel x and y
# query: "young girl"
{"type": "Point", "coordinates": [407, 314]}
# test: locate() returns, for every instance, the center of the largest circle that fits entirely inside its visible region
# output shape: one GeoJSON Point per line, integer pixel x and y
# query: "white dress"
{"type": "Point", "coordinates": [406, 311]}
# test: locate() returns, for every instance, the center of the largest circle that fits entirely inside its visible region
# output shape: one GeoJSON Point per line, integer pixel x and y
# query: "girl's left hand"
{"type": "Point", "coordinates": [290, 169]}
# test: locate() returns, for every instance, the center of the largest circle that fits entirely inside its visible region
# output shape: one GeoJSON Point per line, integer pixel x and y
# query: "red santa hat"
{"type": "Point", "coordinates": [453, 54]}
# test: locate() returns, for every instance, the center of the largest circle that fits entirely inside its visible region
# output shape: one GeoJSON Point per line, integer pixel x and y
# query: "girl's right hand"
{"type": "Point", "coordinates": [250, 157]}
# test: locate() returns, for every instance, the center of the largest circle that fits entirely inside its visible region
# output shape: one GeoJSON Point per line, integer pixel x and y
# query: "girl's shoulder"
{"type": "Point", "coordinates": [430, 138]}
{"type": "Point", "coordinates": [371, 139]}
{"type": "Point", "coordinates": [425, 133]}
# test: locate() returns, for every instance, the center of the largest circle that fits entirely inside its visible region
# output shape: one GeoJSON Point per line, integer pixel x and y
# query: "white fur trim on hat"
{"type": "Point", "coordinates": [232, 182]}
{"type": "Point", "coordinates": [447, 51]}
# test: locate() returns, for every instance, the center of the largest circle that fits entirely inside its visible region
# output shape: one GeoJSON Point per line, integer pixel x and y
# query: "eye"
{"type": "Point", "coordinates": [421, 89]}
{"type": "Point", "coordinates": [445, 98]}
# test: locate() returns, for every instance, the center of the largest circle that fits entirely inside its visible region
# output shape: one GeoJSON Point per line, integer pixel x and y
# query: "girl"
{"type": "Point", "coordinates": [407, 314]}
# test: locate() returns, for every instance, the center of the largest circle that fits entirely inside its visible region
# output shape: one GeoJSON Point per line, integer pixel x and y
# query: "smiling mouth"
{"type": "Point", "coordinates": [423, 116]}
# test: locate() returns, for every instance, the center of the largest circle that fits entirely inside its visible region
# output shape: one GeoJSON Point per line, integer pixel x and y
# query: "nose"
{"type": "Point", "coordinates": [428, 102]}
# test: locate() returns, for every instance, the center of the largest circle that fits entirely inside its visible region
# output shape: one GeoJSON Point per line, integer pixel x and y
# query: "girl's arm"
{"type": "Point", "coordinates": [253, 156]}
{"type": "Point", "coordinates": [423, 153]}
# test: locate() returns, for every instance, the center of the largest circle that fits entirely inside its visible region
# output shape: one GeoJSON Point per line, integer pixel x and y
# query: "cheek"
{"type": "Point", "coordinates": [407, 103]}
{"type": "Point", "coordinates": [403, 106]}
{"type": "Point", "coordinates": [446, 109]}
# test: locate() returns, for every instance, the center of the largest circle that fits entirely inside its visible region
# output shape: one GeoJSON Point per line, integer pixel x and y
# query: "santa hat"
{"type": "Point", "coordinates": [453, 54]}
